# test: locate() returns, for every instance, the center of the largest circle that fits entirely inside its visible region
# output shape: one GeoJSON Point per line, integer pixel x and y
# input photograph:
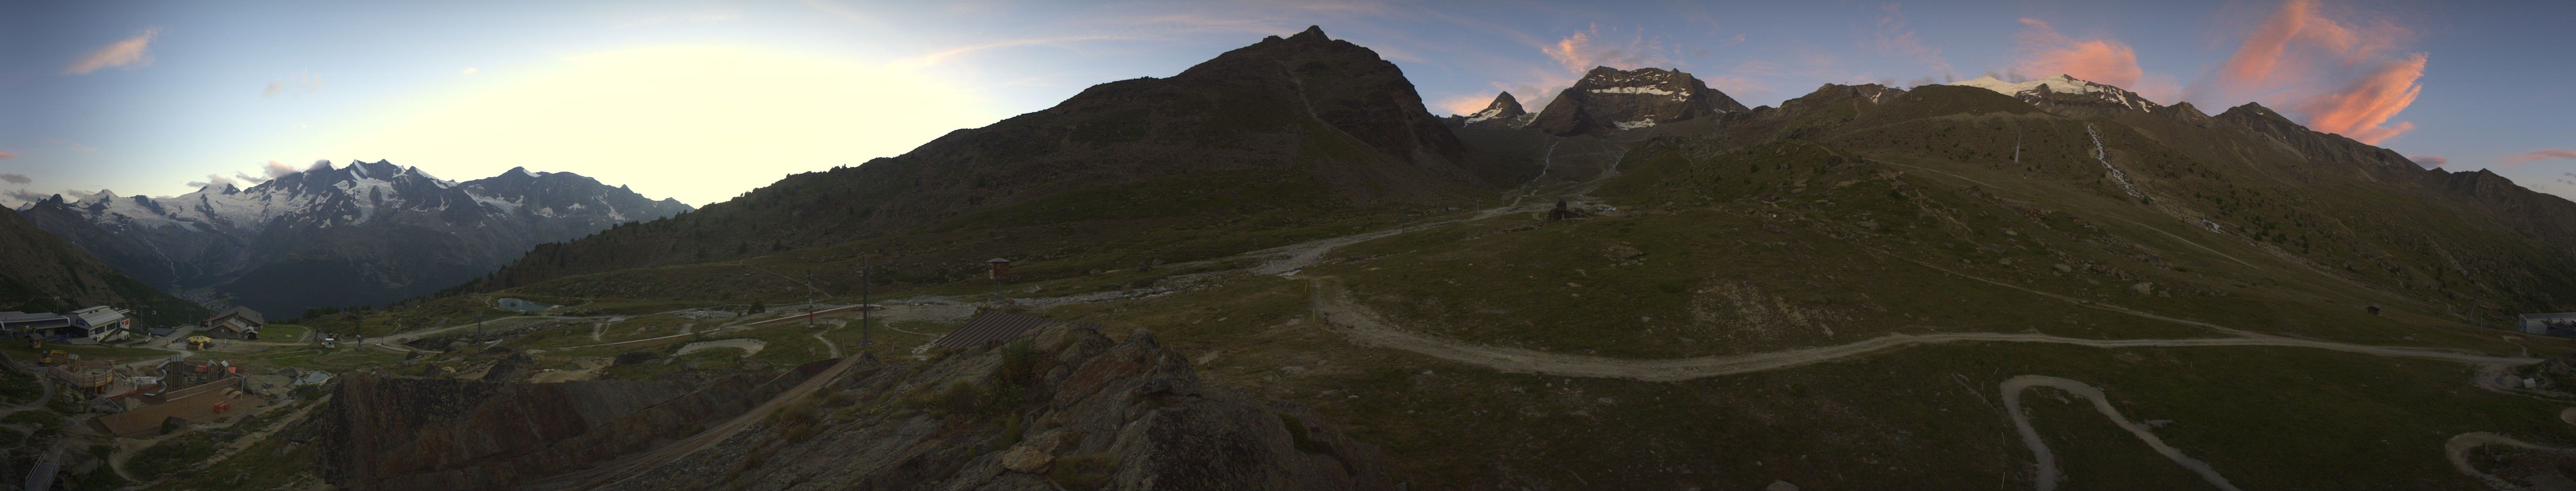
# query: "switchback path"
{"type": "Point", "coordinates": [2457, 449]}
{"type": "Point", "coordinates": [2048, 474]}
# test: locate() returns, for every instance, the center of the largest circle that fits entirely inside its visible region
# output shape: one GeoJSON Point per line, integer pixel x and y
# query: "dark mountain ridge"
{"type": "Point", "coordinates": [1300, 126]}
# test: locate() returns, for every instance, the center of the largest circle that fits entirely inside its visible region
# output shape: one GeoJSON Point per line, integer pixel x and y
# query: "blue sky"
{"type": "Point", "coordinates": [704, 100]}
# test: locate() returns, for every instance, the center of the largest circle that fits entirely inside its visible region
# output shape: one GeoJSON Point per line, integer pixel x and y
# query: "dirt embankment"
{"type": "Point", "coordinates": [385, 432]}
{"type": "Point", "coordinates": [1071, 409]}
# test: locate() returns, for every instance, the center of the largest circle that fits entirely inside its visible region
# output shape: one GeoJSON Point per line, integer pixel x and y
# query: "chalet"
{"type": "Point", "coordinates": [241, 322]}
{"type": "Point", "coordinates": [94, 324]}
{"type": "Point", "coordinates": [2558, 323]}
{"type": "Point", "coordinates": [992, 326]}
{"type": "Point", "coordinates": [103, 323]}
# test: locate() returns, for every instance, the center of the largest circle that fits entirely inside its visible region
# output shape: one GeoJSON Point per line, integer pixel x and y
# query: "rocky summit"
{"type": "Point", "coordinates": [1504, 113]}
{"type": "Point", "coordinates": [1610, 99]}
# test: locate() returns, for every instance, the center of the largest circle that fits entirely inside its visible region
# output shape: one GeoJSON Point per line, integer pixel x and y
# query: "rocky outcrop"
{"type": "Point", "coordinates": [1066, 409]}
{"type": "Point", "coordinates": [1610, 99]}
{"type": "Point", "coordinates": [2315, 146]}
{"type": "Point", "coordinates": [384, 432]}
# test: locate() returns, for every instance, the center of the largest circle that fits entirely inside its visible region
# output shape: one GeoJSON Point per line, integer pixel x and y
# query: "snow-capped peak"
{"type": "Point", "coordinates": [2060, 84]}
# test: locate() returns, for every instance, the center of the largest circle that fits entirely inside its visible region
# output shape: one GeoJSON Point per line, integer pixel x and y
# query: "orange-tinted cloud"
{"type": "Point", "coordinates": [2430, 161]}
{"type": "Point", "coordinates": [2305, 57]}
{"type": "Point", "coordinates": [1589, 48]}
{"type": "Point", "coordinates": [2527, 157]}
{"type": "Point", "coordinates": [129, 51]}
{"type": "Point", "coordinates": [1464, 104]}
{"type": "Point", "coordinates": [7, 155]}
{"type": "Point", "coordinates": [2360, 108]}
{"type": "Point", "coordinates": [2045, 52]}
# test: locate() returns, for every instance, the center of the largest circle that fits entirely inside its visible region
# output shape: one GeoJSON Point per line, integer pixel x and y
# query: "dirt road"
{"type": "Point", "coordinates": [2048, 474]}
{"type": "Point", "coordinates": [1363, 326]}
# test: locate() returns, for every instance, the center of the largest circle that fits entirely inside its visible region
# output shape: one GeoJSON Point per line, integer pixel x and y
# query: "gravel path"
{"type": "Point", "coordinates": [2459, 446]}
{"type": "Point", "coordinates": [1363, 326]}
{"type": "Point", "coordinates": [749, 346]}
{"type": "Point", "coordinates": [2048, 473]}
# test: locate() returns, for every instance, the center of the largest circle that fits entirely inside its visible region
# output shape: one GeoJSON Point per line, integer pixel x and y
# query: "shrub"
{"type": "Point", "coordinates": [1086, 472]}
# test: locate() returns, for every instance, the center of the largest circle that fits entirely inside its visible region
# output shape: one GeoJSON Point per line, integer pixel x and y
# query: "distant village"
{"type": "Point", "coordinates": [139, 396]}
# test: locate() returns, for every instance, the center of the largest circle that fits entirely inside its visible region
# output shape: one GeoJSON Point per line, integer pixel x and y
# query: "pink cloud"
{"type": "Point", "coordinates": [2430, 161]}
{"type": "Point", "coordinates": [2527, 157]}
{"type": "Point", "coordinates": [2045, 52]}
{"type": "Point", "coordinates": [1464, 104]}
{"type": "Point", "coordinates": [2299, 53]}
{"type": "Point", "coordinates": [2360, 109]}
{"type": "Point", "coordinates": [7, 155]}
{"type": "Point", "coordinates": [1894, 39]}
{"type": "Point", "coordinates": [129, 51]}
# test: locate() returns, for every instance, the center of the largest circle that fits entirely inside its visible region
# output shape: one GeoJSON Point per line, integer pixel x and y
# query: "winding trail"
{"type": "Point", "coordinates": [2458, 447]}
{"type": "Point", "coordinates": [1332, 304]}
{"type": "Point", "coordinates": [2048, 473]}
{"type": "Point", "coordinates": [749, 346]}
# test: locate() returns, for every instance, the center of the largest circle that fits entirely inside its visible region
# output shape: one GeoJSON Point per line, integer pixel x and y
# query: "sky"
{"type": "Point", "coordinates": [705, 100]}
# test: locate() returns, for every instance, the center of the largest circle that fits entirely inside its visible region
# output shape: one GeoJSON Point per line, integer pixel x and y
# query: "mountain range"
{"type": "Point", "coordinates": [367, 233]}
{"type": "Point", "coordinates": [1644, 285]}
{"type": "Point", "coordinates": [42, 273]}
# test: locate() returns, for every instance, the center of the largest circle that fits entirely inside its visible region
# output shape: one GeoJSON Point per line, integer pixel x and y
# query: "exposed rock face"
{"type": "Point", "coordinates": [384, 432]}
{"type": "Point", "coordinates": [1069, 410]}
{"type": "Point", "coordinates": [1504, 113]}
{"type": "Point", "coordinates": [2312, 145]}
{"type": "Point", "coordinates": [365, 233]}
{"type": "Point", "coordinates": [1609, 99]}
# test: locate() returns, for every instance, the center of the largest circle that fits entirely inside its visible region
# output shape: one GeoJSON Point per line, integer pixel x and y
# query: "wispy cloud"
{"type": "Point", "coordinates": [2361, 109]}
{"type": "Point", "coordinates": [469, 71]}
{"type": "Point", "coordinates": [300, 84]}
{"type": "Point", "coordinates": [276, 170]}
{"type": "Point", "coordinates": [2537, 155]}
{"type": "Point", "coordinates": [1592, 47]}
{"type": "Point", "coordinates": [2429, 161]}
{"type": "Point", "coordinates": [22, 194]}
{"type": "Point", "coordinates": [212, 180]}
{"type": "Point", "coordinates": [7, 155]}
{"type": "Point", "coordinates": [1463, 104]}
{"type": "Point", "coordinates": [132, 51]}
{"type": "Point", "coordinates": [937, 57]}
{"type": "Point", "coordinates": [2046, 52]}
{"type": "Point", "coordinates": [16, 178]}
{"type": "Point", "coordinates": [2343, 76]}
{"type": "Point", "coordinates": [1892, 38]}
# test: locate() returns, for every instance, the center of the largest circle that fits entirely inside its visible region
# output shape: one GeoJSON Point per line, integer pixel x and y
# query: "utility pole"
{"type": "Point", "coordinates": [864, 339]}
{"type": "Point", "coordinates": [1001, 267]}
{"type": "Point", "coordinates": [809, 299]}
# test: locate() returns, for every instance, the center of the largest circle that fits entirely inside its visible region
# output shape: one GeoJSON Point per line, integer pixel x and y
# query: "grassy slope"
{"type": "Point", "coordinates": [1896, 223]}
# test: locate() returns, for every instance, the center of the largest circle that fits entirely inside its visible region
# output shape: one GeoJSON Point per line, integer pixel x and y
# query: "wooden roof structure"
{"type": "Point", "coordinates": [999, 326]}
{"type": "Point", "coordinates": [245, 313]}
